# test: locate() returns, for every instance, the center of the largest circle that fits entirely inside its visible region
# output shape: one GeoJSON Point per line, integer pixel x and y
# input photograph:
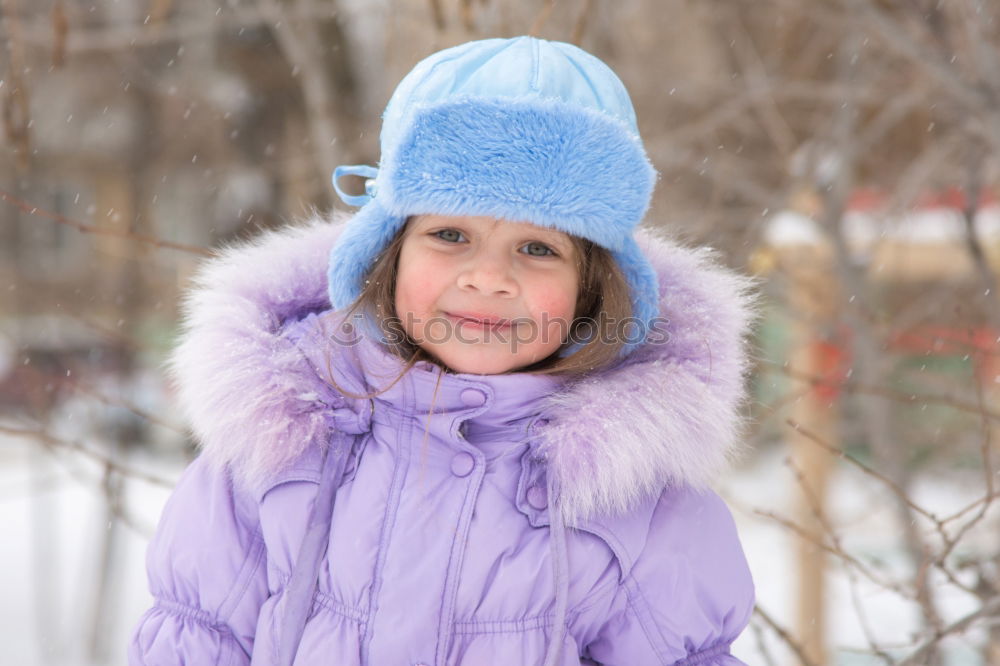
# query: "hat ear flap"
{"type": "Point", "coordinates": [365, 236]}
{"type": "Point", "coordinates": [645, 287]}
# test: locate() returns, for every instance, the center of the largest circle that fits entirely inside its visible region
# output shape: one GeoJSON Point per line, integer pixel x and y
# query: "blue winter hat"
{"type": "Point", "coordinates": [520, 129]}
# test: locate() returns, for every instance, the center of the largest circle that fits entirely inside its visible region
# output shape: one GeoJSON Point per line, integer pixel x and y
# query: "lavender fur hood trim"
{"type": "Point", "coordinates": [668, 414]}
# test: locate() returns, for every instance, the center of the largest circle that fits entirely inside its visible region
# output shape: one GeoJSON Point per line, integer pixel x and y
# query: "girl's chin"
{"type": "Point", "coordinates": [478, 361]}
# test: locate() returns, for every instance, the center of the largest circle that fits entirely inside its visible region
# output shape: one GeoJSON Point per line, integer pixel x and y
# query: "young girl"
{"type": "Point", "coordinates": [474, 424]}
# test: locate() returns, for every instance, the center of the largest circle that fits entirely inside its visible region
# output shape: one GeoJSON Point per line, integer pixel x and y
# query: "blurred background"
{"type": "Point", "coordinates": [843, 150]}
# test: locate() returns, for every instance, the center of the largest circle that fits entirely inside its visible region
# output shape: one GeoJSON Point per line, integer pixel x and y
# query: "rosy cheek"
{"type": "Point", "coordinates": [556, 303]}
{"type": "Point", "coordinates": [412, 285]}
{"type": "Point", "coordinates": [418, 292]}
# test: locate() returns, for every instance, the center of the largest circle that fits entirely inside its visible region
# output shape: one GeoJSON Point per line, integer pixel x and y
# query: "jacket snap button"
{"type": "Point", "coordinates": [473, 397]}
{"type": "Point", "coordinates": [462, 463]}
{"type": "Point", "coordinates": [538, 497]}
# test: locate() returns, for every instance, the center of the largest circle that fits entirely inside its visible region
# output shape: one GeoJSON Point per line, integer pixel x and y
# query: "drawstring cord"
{"type": "Point", "coordinates": [347, 425]}
{"type": "Point", "coordinates": [560, 569]}
{"type": "Point", "coordinates": [302, 585]}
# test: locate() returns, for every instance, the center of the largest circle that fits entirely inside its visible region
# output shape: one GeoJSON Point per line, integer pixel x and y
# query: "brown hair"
{"type": "Point", "coordinates": [603, 297]}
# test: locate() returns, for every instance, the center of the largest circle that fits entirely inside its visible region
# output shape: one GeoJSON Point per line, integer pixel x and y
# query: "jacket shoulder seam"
{"type": "Point", "coordinates": [297, 474]}
{"type": "Point", "coordinates": [636, 602]}
{"type": "Point", "coordinates": [247, 571]}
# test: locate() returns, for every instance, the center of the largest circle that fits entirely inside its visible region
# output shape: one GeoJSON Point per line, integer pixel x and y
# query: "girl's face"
{"type": "Point", "coordinates": [485, 296]}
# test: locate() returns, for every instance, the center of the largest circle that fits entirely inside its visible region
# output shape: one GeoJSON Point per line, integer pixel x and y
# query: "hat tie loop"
{"type": "Point", "coordinates": [368, 172]}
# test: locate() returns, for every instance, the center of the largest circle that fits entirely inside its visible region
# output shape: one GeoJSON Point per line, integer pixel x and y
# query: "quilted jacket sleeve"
{"type": "Point", "coordinates": [207, 576]}
{"type": "Point", "coordinates": [689, 593]}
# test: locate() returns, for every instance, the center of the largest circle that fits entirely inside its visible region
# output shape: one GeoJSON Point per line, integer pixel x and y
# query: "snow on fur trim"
{"type": "Point", "coordinates": [238, 382]}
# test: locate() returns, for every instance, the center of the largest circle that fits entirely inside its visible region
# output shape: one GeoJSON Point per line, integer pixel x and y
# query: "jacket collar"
{"type": "Point", "coordinates": [669, 414]}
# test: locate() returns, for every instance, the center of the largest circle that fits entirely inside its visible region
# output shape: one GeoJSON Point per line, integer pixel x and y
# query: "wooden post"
{"type": "Point", "coordinates": [811, 297]}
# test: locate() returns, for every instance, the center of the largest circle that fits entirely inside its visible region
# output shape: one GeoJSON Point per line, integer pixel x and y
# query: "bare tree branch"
{"type": "Point", "coordinates": [102, 231]}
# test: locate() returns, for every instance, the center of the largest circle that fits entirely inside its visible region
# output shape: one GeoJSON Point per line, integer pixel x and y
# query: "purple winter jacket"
{"type": "Point", "coordinates": [455, 518]}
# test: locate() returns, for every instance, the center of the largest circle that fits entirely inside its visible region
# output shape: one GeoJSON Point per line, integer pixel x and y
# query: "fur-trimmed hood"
{"type": "Point", "coordinates": [670, 414]}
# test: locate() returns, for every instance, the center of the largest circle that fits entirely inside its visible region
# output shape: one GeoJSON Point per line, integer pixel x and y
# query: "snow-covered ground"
{"type": "Point", "coordinates": [56, 527]}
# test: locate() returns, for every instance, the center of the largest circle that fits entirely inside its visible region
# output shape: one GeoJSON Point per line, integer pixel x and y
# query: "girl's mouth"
{"type": "Point", "coordinates": [479, 322]}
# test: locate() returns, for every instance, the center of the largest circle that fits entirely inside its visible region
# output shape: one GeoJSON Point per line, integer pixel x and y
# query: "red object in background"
{"type": "Point", "coordinates": [981, 344]}
{"type": "Point", "coordinates": [865, 199]}
{"type": "Point", "coordinates": [833, 363]}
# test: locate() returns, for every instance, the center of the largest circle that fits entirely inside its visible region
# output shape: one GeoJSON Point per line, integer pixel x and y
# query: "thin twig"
{"type": "Point", "coordinates": [989, 609]}
{"type": "Point", "coordinates": [840, 554]}
{"type": "Point", "coordinates": [101, 231]}
{"type": "Point", "coordinates": [784, 635]}
{"type": "Point", "coordinates": [840, 453]}
{"type": "Point", "coordinates": [854, 386]}
{"type": "Point", "coordinates": [50, 440]}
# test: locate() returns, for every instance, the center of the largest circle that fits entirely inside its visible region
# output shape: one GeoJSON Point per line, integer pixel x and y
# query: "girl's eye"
{"type": "Point", "coordinates": [534, 249]}
{"type": "Point", "coordinates": [540, 250]}
{"type": "Point", "coordinates": [449, 235]}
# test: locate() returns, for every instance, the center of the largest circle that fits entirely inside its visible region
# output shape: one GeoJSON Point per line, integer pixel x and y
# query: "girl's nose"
{"type": "Point", "coordinates": [490, 275]}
